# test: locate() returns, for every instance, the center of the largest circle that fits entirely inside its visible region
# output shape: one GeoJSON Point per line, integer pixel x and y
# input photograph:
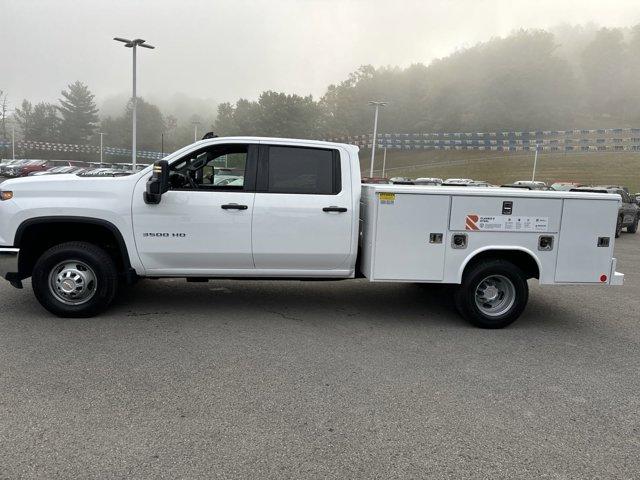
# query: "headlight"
{"type": "Point", "coordinates": [6, 195]}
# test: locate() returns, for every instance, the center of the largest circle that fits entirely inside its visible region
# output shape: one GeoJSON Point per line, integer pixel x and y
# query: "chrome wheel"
{"type": "Point", "coordinates": [495, 295]}
{"type": "Point", "coordinates": [72, 282]}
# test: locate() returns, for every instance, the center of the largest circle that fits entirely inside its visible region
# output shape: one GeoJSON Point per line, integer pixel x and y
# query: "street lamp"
{"type": "Point", "coordinates": [138, 42]}
{"type": "Point", "coordinates": [535, 162]}
{"type": "Point", "coordinates": [375, 133]}
{"type": "Point", "coordinates": [195, 124]}
{"type": "Point", "coordinates": [101, 135]}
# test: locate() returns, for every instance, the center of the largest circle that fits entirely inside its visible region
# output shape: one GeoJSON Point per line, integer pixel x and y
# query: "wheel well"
{"type": "Point", "coordinates": [35, 237]}
{"type": "Point", "coordinates": [521, 259]}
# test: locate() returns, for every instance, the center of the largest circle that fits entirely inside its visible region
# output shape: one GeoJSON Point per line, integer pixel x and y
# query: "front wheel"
{"type": "Point", "coordinates": [75, 279]}
{"type": "Point", "coordinates": [493, 294]}
{"type": "Point", "coordinates": [633, 228]}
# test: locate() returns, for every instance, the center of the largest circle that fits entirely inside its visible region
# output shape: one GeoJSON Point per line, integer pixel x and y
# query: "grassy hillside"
{"type": "Point", "coordinates": [620, 168]}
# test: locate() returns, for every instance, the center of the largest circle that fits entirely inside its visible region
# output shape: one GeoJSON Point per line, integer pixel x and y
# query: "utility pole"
{"type": "Point", "coordinates": [13, 141]}
{"type": "Point", "coordinates": [375, 133]}
{"type": "Point", "coordinates": [133, 44]}
{"type": "Point", "coordinates": [162, 143]}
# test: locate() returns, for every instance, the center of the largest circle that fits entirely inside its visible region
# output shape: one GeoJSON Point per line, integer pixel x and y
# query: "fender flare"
{"type": "Point", "coordinates": [496, 248]}
{"type": "Point", "coordinates": [122, 246]}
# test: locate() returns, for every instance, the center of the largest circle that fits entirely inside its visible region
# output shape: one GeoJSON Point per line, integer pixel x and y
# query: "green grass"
{"type": "Point", "coordinates": [617, 168]}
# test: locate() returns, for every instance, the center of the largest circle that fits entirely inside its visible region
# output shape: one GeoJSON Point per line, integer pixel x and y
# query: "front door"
{"type": "Point", "coordinates": [203, 223]}
{"type": "Point", "coordinates": [302, 215]}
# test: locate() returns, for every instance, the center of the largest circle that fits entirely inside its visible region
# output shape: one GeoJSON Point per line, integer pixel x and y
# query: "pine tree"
{"type": "Point", "coordinates": [79, 114]}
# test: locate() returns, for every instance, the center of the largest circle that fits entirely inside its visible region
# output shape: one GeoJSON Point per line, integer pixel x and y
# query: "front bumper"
{"type": "Point", "coordinates": [8, 262]}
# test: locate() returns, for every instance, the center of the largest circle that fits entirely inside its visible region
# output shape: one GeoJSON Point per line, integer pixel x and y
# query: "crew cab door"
{"type": "Point", "coordinates": [202, 225]}
{"type": "Point", "coordinates": [302, 215]}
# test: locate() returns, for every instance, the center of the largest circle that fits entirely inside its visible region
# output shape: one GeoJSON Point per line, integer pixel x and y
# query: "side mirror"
{"type": "Point", "coordinates": [158, 183]}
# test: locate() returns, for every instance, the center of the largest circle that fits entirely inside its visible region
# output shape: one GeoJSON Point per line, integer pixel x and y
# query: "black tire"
{"type": "Point", "coordinates": [619, 226]}
{"type": "Point", "coordinates": [103, 272]}
{"type": "Point", "coordinates": [633, 228]}
{"type": "Point", "coordinates": [506, 273]}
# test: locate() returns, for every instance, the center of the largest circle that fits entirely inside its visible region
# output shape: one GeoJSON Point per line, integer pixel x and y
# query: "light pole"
{"type": "Point", "coordinates": [195, 124]}
{"type": "Point", "coordinates": [535, 164]}
{"type": "Point", "coordinates": [375, 133]}
{"type": "Point", "coordinates": [101, 135]}
{"type": "Point", "coordinates": [13, 141]}
{"type": "Point", "coordinates": [133, 44]}
{"type": "Point", "coordinates": [384, 161]}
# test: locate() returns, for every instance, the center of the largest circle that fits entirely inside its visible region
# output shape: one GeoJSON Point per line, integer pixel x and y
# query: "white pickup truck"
{"type": "Point", "coordinates": [295, 209]}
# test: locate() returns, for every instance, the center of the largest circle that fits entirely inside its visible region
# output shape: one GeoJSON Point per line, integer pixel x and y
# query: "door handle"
{"type": "Point", "coordinates": [233, 206]}
{"type": "Point", "coordinates": [334, 209]}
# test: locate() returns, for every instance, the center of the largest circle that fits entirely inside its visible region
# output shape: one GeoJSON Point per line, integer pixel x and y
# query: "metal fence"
{"type": "Point", "coordinates": [66, 147]}
{"type": "Point", "coordinates": [609, 139]}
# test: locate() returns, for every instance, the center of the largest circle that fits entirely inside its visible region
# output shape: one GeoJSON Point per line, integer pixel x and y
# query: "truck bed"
{"type": "Point", "coordinates": [407, 232]}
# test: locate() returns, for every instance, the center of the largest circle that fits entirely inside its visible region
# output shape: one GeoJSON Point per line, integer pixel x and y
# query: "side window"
{"type": "Point", "coordinates": [303, 170]}
{"type": "Point", "coordinates": [218, 167]}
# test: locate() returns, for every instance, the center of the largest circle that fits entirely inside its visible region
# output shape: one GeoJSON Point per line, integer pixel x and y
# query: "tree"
{"type": "Point", "coordinates": [274, 114]}
{"type": "Point", "coordinates": [604, 68]}
{"type": "Point", "coordinates": [79, 114]}
{"type": "Point", "coordinates": [150, 127]}
{"type": "Point", "coordinates": [38, 123]}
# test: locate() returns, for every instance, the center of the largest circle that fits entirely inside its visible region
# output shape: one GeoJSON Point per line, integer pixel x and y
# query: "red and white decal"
{"type": "Point", "coordinates": [471, 223]}
{"type": "Point", "coordinates": [505, 223]}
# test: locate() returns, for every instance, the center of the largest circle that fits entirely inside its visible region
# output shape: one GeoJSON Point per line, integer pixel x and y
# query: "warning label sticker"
{"type": "Point", "coordinates": [506, 223]}
{"type": "Point", "coordinates": [387, 198]}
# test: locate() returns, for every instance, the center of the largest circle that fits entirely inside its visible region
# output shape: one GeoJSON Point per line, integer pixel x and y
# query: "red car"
{"type": "Point", "coordinates": [29, 166]}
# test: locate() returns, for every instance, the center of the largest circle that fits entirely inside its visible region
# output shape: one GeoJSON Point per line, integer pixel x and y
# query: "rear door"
{"type": "Point", "coordinates": [302, 214]}
{"type": "Point", "coordinates": [582, 258]}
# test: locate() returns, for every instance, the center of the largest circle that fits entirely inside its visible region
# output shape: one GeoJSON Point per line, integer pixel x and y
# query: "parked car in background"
{"type": "Point", "coordinates": [536, 183]}
{"type": "Point", "coordinates": [628, 213]}
{"type": "Point", "coordinates": [27, 167]}
{"type": "Point", "coordinates": [460, 182]}
{"type": "Point", "coordinates": [566, 186]}
{"type": "Point", "coordinates": [58, 171]}
{"type": "Point", "coordinates": [428, 181]}
{"type": "Point", "coordinates": [401, 181]}
{"type": "Point", "coordinates": [376, 180]}
{"type": "Point", "coordinates": [11, 163]}
{"type": "Point", "coordinates": [23, 169]}
{"type": "Point", "coordinates": [527, 185]}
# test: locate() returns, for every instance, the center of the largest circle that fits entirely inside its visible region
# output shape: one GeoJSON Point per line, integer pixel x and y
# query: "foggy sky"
{"type": "Point", "coordinates": [225, 49]}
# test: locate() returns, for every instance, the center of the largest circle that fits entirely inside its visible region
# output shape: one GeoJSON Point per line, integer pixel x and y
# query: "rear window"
{"type": "Point", "coordinates": [303, 170]}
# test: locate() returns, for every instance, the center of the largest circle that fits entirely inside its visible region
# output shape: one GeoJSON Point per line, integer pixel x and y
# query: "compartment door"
{"type": "Point", "coordinates": [580, 260]}
{"type": "Point", "coordinates": [402, 248]}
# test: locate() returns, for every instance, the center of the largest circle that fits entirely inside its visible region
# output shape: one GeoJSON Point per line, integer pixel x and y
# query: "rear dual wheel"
{"type": "Point", "coordinates": [493, 294]}
{"type": "Point", "coordinates": [75, 279]}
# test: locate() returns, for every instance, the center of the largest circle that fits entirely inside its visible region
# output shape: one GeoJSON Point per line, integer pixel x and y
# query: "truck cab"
{"type": "Point", "coordinates": [290, 210]}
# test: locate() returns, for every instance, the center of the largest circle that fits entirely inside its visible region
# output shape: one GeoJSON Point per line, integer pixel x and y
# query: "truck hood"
{"type": "Point", "coordinates": [67, 184]}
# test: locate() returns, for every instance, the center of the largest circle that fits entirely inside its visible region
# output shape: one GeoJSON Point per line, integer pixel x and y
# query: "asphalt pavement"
{"type": "Point", "coordinates": [247, 379]}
